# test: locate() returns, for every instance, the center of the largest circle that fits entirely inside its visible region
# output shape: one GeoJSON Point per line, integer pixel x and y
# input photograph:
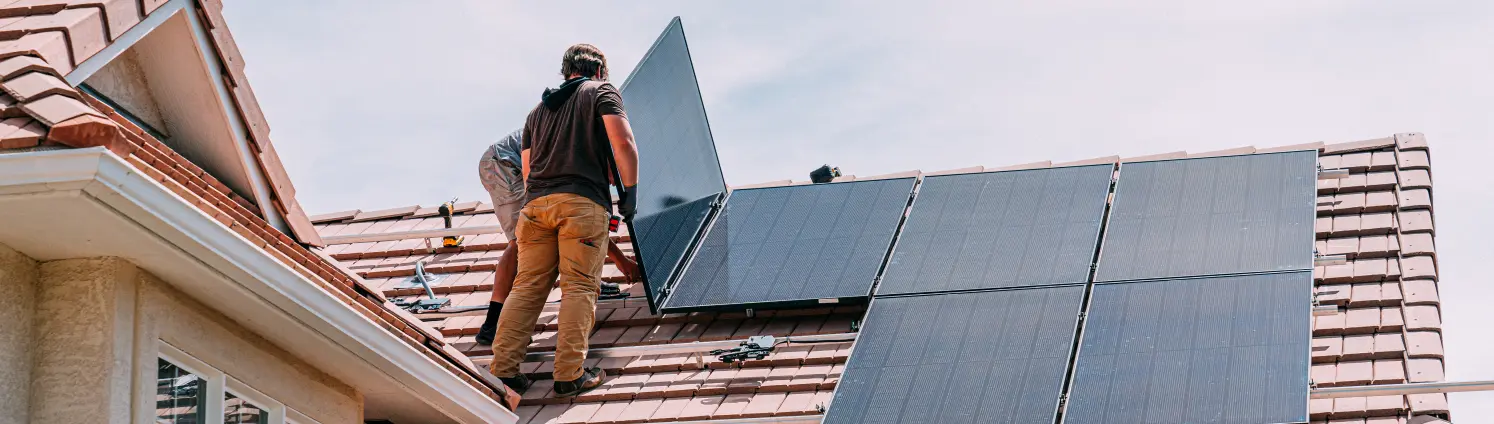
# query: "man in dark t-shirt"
{"type": "Point", "coordinates": [571, 142]}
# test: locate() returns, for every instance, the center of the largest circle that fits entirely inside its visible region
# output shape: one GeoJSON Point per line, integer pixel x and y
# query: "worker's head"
{"type": "Point", "coordinates": [584, 60]}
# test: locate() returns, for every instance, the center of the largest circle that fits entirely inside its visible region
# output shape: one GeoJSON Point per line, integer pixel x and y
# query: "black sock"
{"type": "Point", "coordinates": [492, 320]}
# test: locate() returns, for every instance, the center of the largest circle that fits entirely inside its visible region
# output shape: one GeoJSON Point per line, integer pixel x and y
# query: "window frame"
{"type": "Point", "coordinates": [218, 385]}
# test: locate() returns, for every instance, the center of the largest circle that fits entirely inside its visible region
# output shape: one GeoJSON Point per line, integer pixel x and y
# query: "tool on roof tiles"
{"type": "Point", "coordinates": [447, 210]}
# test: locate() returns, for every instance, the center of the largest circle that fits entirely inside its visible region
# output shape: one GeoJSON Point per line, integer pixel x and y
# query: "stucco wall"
{"type": "Point", "coordinates": [85, 342]}
{"type": "Point", "coordinates": [18, 275]}
{"type": "Point", "coordinates": [166, 314]}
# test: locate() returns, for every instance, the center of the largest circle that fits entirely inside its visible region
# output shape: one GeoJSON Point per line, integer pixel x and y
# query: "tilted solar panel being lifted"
{"type": "Point", "coordinates": [1000, 230]}
{"type": "Point", "coordinates": [1216, 350]}
{"type": "Point", "coordinates": [782, 246]}
{"type": "Point", "coordinates": [985, 357]}
{"type": "Point", "coordinates": [679, 174]}
{"type": "Point", "coordinates": [1211, 216]}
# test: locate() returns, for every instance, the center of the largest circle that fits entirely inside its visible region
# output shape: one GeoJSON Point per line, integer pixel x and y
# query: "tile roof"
{"type": "Point", "coordinates": [43, 40]}
{"type": "Point", "coordinates": [1387, 332]}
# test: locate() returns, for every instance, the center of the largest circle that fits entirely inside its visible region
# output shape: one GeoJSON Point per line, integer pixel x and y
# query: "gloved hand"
{"type": "Point", "coordinates": [627, 202]}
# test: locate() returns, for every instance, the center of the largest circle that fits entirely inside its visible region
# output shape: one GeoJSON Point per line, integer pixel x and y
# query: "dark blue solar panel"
{"type": "Point", "coordinates": [793, 244]}
{"type": "Point", "coordinates": [678, 172]}
{"type": "Point", "coordinates": [1000, 230]}
{"type": "Point", "coordinates": [984, 357]}
{"type": "Point", "coordinates": [1209, 350]}
{"type": "Point", "coordinates": [1211, 216]}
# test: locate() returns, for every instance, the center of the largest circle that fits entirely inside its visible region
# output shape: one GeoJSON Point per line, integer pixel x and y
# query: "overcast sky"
{"type": "Point", "coordinates": [377, 104]}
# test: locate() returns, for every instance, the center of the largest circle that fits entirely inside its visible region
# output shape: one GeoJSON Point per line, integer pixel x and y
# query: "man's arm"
{"type": "Point", "coordinates": [524, 156]}
{"type": "Point", "coordinates": [624, 150]}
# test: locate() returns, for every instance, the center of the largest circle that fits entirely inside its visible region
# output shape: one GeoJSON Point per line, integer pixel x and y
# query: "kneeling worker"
{"type": "Point", "coordinates": [571, 141]}
{"type": "Point", "coordinates": [499, 170]}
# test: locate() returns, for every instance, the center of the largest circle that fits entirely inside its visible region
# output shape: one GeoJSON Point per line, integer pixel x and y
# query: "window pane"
{"type": "Point", "coordinates": [179, 395]}
{"type": "Point", "coordinates": [240, 411]}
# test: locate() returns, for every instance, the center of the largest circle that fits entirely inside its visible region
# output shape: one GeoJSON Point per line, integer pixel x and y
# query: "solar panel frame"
{"type": "Point", "coordinates": [793, 249]}
{"type": "Point", "coordinates": [1045, 223]}
{"type": "Point", "coordinates": [1132, 366]}
{"type": "Point", "coordinates": [679, 171]}
{"type": "Point", "coordinates": [949, 357]}
{"type": "Point", "coordinates": [1164, 236]}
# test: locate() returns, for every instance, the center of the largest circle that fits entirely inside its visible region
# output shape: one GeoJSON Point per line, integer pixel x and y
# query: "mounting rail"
{"type": "Point", "coordinates": [665, 349]}
{"type": "Point", "coordinates": [1403, 389]}
{"type": "Point", "coordinates": [415, 234]}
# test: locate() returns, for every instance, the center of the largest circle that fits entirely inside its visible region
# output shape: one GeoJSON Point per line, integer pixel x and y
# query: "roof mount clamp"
{"type": "Point", "coordinates": [1332, 174]}
{"type": "Point", "coordinates": [1330, 260]}
{"type": "Point", "coordinates": [755, 347]}
{"type": "Point", "coordinates": [430, 302]}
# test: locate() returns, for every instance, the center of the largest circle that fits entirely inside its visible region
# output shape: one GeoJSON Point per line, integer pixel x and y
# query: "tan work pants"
{"type": "Point", "coordinates": [561, 235]}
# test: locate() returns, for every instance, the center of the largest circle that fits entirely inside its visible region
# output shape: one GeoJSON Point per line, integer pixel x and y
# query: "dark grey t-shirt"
{"type": "Point", "coordinates": [568, 147]}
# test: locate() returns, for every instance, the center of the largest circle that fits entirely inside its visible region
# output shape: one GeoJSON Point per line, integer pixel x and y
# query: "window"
{"type": "Point", "coordinates": [189, 391]}
{"type": "Point", "coordinates": [178, 395]}
{"type": "Point", "coordinates": [240, 411]}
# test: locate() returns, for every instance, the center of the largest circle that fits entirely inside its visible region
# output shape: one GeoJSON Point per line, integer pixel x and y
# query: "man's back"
{"type": "Point", "coordinates": [569, 149]}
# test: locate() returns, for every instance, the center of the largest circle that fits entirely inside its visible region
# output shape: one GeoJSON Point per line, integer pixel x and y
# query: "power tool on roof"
{"type": "Point", "coordinates": [447, 210]}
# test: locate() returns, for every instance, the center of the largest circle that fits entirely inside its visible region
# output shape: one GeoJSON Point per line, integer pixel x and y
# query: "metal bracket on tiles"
{"type": "Point", "coordinates": [430, 302]}
{"type": "Point", "coordinates": [1332, 174]}
{"type": "Point", "coordinates": [751, 313]}
{"type": "Point", "coordinates": [420, 279]}
{"type": "Point", "coordinates": [1330, 260]}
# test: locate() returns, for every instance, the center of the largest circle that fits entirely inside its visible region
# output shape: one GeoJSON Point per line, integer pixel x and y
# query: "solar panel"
{"type": "Point", "coordinates": [793, 244]}
{"type": "Point", "coordinates": [679, 174]}
{"type": "Point", "coordinates": [1000, 229]}
{"type": "Point", "coordinates": [1219, 350]}
{"type": "Point", "coordinates": [985, 357]}
{"type": "Point", "coordinates": [1211, 216]}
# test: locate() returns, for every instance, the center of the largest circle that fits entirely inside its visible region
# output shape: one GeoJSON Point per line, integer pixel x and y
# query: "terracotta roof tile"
{"type": "Point", "coordinates": [1411, 141]}
{"type": "Point", "coordinates": [966, 170]}
{"type": "Point", "coordinates": [1091, 161]}
{"type": "Point", "coordinates": [385, 214]}
{"type": "Point", "coordinates": [35, 85]}
{"type": "Point", "coordinates": [1160, 156]}
{"type": "Point", "coordinates": [84, 28]}
{"type": "Point", "coordinates": [1420, 292]}
{"type": "Point", "coordinates": [333, 217]}
{"type": "Point", "coordinates": [1414, 159]}
{"type": "Point", "coordinates": [1429, 403]}
{"type": "Point", "coordinates": [15, 66]}
{"type": "Point", "coordinates": [56, 108]}
{"type": "Point", "coordinates": [1019, 167]}
{"type": "Point", "coordinates": [1246, 150]}
{"type": "Point", "coordinates": [1355, 146]}
{"type": "Point", "coordinates": [1318, 145]}
{"type": "Point", "coordinates": [904, 174]}
{"type": "Point", "coordinates": [18, 133]}
{"type": "Point", "coordinates": [1424, 370]}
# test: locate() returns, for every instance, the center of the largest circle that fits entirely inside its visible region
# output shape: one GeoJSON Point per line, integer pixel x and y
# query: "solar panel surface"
{"type": "Point", "coordinates": [1211, 216]}
{"type": "Point", "coordinates": [986, 357]}
{"type": "Point", "coordinates": [793, 244]}
{"type": "Point", "coordinates": [1000, 229]}
{"type": "Point", "coordinates": [1216, 350]}
{"type": "Point", "coordinates": [678, 170]}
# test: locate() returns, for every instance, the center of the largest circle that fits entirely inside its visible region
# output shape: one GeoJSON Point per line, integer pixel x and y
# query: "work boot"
{"type": "Point", "coordinates": [486, 333]}
{"type": "Point", "coordinates": [518, 382]}
{"type": "Point", "coordinates": [489, 324]}
{"type": "Point", "coordinates": [591, 379]}
{"type": "Point", "coordinates": [610, 289]}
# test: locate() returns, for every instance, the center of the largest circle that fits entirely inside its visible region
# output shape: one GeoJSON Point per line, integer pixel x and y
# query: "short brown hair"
{"type": "Point", "coordinates": [585, 60]}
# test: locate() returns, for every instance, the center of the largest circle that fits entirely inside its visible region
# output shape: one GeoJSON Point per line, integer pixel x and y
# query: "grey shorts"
{"type": "Point", "coordinates": [506, 191]}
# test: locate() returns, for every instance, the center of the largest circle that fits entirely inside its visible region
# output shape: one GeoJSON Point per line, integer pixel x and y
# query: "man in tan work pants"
{"type": "Point", "coordinates": [571, 141]}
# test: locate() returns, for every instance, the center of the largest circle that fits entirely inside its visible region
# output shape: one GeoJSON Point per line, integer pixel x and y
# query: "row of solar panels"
{"type": "Point", "coordinates": [794, 245]}
{"type": "Point", "coordinates": [1166, 291]}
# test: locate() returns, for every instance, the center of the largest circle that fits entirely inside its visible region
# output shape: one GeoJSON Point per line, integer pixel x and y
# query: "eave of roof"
{"type": "Point", "coordinates": [109, 207]}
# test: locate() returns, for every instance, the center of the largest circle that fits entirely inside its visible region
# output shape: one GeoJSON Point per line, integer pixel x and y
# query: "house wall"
{"type": "Point", "coordinates": [80, 345]}
{"type": "Point", "coordinates": [18, 277]}
{"type": "Point", "coordinates": [170, 316]}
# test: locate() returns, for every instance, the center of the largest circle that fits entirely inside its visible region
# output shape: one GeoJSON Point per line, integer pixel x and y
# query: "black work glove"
{"type": "Point", "coordinates": [627, 202]}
